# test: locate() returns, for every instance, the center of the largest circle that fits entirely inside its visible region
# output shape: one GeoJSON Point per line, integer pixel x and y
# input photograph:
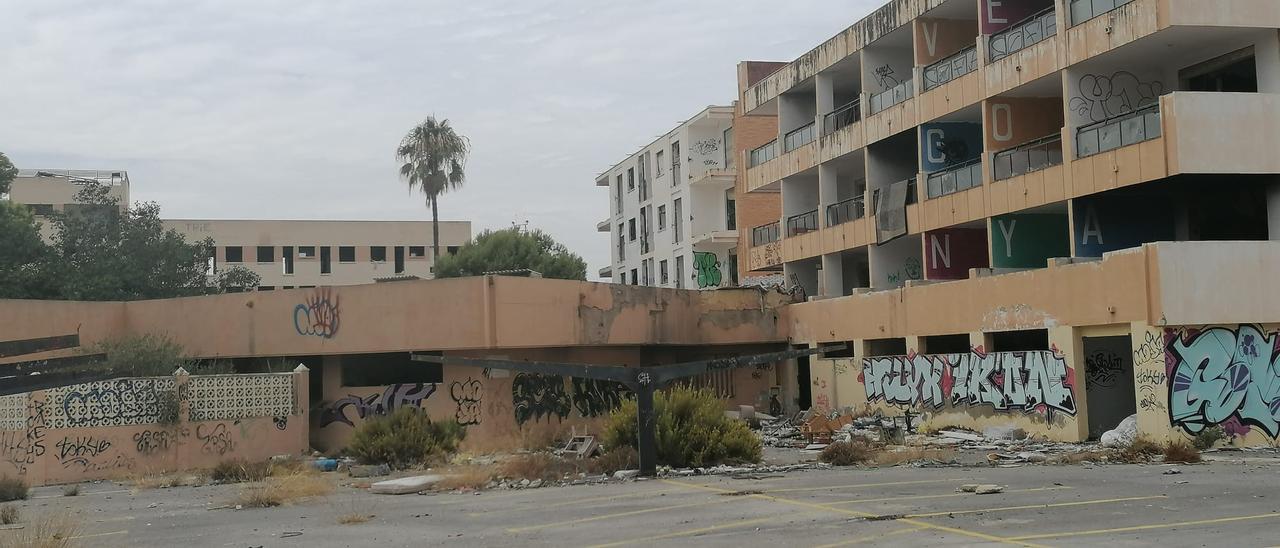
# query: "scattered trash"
{"type": "Point", "coordinates": [1172, 472]}
{"type": "Point", "coordinates": [1007, 432]}
{"type": "Point", "coordinates": [1123, 434]}
{"type": "Point", "coordinates": [325, 465]}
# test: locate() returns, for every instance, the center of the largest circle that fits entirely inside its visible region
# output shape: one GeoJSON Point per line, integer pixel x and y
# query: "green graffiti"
{"type": "Point", "coordinates": [708, 269]}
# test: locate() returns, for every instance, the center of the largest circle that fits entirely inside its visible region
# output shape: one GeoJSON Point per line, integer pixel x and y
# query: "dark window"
{"type": "Point", "coordinates": [266, 288]}
{"type": "Point", "coordinates": [326, 260]}
{"type": "Point", "coordinates": [41, 209]}
{"type": "Point", "coordinates": [945, 344]}
{"type": "Point", "coordinates": [623, 278]}
{"type": "Point", "coordinates": [346, 254]}
{"type": "Point", "coordinates": [378, 254]}
{"type": "Point", "coordinates": [631, 230]}
{"type": "Point", "coordinates": [631, 179]}
{"type": "Point", "coordinates": [287, 253]}
{"type": "Point", "coordinates": [635, 277]}
{"type": "Point", "coordinates": [307, 251]}
{"type": "Point", "coordinates": [887, 347]}
{"type": "Point", "coordinates": [1019, 341]}
{"type": "Point", "coordinates": [286, 287]}
{"type": "Point", "coordinates": [388, 369]}
{"type": "Point", "coordinates": [452, 250]}
{"type": "Point", "coordinates": [417, 251]}
{"type": "Point", "coordinates": [846, 353]}
{"type": "Point", "coordinates": [266, 254]}
{"type": "Point", "coordinates": [399, 259]}
{"type": "Point", "coordinates": [235, 254]}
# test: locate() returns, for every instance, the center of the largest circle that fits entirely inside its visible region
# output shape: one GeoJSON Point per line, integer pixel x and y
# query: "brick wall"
{"type": "Point", "coordinates": [749, 132]}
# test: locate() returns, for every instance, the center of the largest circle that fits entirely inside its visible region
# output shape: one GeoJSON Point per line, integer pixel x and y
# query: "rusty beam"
{"type": "Point", "coordinates": [42, 344]}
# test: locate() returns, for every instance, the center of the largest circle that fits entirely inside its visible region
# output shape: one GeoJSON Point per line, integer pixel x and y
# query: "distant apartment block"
{"type": "Point", "coordinates": [49, 191]}
{"type": "Point", "coordinates": [291, 254]}
{"type": "Point", "coordinates": [672, 219]}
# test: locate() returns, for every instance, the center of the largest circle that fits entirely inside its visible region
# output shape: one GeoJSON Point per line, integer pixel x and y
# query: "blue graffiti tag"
{"type": "Point", "coordinates": [1219, 374]}
{"type": "Point", "coordinates": [319, 316]}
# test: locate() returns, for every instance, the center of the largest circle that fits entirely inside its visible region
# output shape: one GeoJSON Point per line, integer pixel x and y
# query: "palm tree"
{"type": "Point", "coordinates": [432, 158]}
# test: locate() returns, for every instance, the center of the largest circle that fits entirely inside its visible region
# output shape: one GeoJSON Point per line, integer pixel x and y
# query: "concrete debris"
{"type": "Point", "coordinates": [968, 488]}
{"type": "Point", "coordinates": [1123, 434]}
{"type": "Point", "coordinates": [626, 474]}
{"type": "Point", "coordinates": [404, 486]}
{"type": "Point", "coordinates": [963, 436]}
{"type": "Point", "coordinates": [815, 447]}
{"type": "Point", "coordinates": [369, 470]}
{"type": "Point", "coordinates": [1007, 432]}
{"type": "Point", "coordinates": [1172, 472]}
{"type": "Point", "coordinates": [1034, 457]}
{"type": "Point", "coordinates": [988, 489]}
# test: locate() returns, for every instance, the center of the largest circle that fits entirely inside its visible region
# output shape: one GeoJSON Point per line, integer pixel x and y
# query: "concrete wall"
{"type": "Point", "coordinates": [132, 427]}
{"type": "Point", "coordinates": [936, 39]}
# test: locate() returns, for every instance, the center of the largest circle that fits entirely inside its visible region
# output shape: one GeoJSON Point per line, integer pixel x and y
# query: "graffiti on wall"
{"type": "Point", "coordinates": [319, 315]}
{"type": "Point", "coordinates": [707, 267]}
{"type": "Point", "coordinates": [215, 439]}
{"type": "Point", "coordinates": [1033, 382]}
{"type": "Point", "coordinates": [910, 271]}
{"type": "Point", "coordinates": [394, 397]}
{"type": "Point", "coordinates": [21, 448]}
{"type": "Point", "coordinates": [119, 402]}
{"type": "Point", "coordinates": [536, 396]}
{"type": "Point", "coordinates": [150, 442]}
{"type": "Point", "coordinates": [1102, 369]}
{"type": "Point", "coordinates": [885, 77]}
{"type": "Point", "coordinates": [467, 395]}
{"type": "Point", "coordinates": [1224, 377]}
{"type": "Point", "coordinates": [1100, 96]}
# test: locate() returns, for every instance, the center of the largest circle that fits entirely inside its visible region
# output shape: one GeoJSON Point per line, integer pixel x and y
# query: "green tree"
{"type": "Point", "coordinates": [237, 279]}
{"type": "Point", "coordinates": [101, 253]}
{"type": "Point", "coordinates": [513, 249]}
{"type": "Point", "coordinates": [7, 173]}
{"type": "Point", "coordinates": [23, 255]}
{"type": "Point", "coordinates": [431, 159]}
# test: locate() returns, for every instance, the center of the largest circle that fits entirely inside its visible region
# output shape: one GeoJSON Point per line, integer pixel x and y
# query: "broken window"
{"type": "Point", "coordinates": [418, 251]}
{"type": "Point", "coordinates": [399, 259]}
{"type": "Point", "coordinates": [378, 254]}
{"type": "Point", "coordinates": [307, 252]}
{"type": "Point", "coordinates": [235, 254]}
{"type": "Point", "coordinates": [266, 254]}
{"type": "Point", "coordinates": [631, 179]}
{"type": "Point", "coordinates": [635, 277]}
{"type": "Point", "coordinates": [887, 347]}
{"type": "Point", "coordinates": [287, 253]}
{"type": "Point", "coordinates": [346, 254]}
{"type": "Point", "coordinates": [326, 260]}
{"type": "Point", "coordinates": [676, 221]}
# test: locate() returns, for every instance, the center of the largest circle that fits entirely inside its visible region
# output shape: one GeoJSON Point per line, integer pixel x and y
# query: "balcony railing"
{"type": "Point", "coordinates": [766, 234]}
{"type": "Point", "coordinates": [1119, 131]}
{"type": "Point", "coordinates": [1084, 10]}
{"type": "Point", "coordinates": [849, 113]}
{"type": "Point", "coordinates": [955, 178]}
{"type": "Point", "coordinates": [802, 223]}
{"type": "Point", "coordinates": [949, 69]}
{"type": "Point", "coordinates": [1033, 156]}
{"type": "Point", "coordinates": [798, 137]}
{"type": "Point", "coordinates": [1029, 32]}
{"type": "Point", "coordinates": [849, 210]}
{"type": "Point", "coordinates": [892, 96]}
{"type": "Point", "coordinates": [911, 195]}
{"type": "Point", "coordinates": [763, 153]}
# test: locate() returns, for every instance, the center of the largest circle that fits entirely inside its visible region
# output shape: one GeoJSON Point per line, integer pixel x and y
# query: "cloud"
{"type": "Point", "coordinates": [274, 109]}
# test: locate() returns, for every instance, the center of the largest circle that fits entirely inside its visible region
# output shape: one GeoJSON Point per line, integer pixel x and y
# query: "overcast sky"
{"type": "Point", "coordinates": [292, 110]}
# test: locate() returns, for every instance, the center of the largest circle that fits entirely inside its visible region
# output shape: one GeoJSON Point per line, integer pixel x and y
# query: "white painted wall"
{"type": "Point", "coordinates": [892, 264]}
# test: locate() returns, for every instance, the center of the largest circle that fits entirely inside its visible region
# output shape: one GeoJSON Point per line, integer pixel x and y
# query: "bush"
{"type": "Point", "coordinates": [152, 356]}
{"type": "Point", "coordinates": [1208, 437]}
{"type": "Point", "coordinates": [848, 453]}
{"type": "Point", "coordinates": [12, 489]}
{"type": "Point", "coordinates": [692, 430]}
{"type": "Point", "coordinates": [1180, 451]}
{"type": "Point", "coordinates": [1141, 450]}
{"type": "Point", "coordinates": [239, 471]}
{"type": "Point", "coordinates": [618, 458]}
{"type": "Point", "coordinates": [8, 514]}
{"type": "Point", "coordinates": [407, 437]}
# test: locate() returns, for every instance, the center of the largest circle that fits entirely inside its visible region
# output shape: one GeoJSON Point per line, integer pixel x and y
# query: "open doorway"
{"type": "Point", "coordinates": [804, 398]}
{"type": "Point", "coordinates": [1109, 387]}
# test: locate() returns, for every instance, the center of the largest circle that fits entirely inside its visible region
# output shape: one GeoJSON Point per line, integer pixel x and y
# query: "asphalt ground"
{"type": "Point", "coordinates": [1217, 504]}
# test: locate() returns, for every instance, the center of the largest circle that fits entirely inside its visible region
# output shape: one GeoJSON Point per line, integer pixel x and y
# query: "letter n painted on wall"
{"type": "Point", "coordinates": [951, 252]}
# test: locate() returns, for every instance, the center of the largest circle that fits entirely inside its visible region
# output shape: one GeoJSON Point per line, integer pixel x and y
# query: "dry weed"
{"type": "Point", "coordinates": [56, 530]}
{"type": "Point", "coordinates": [540, 466]}
{"type": "Point", "coordinates": [848, 453]}
{"type": "Point", "coordinates": [9, 514]}
{"type": "Point", "coordinates": [466, 477]}
{"type": "Point", "coordinates": [1084, 456]}
{"type": "Point", "coordinates": [1180, 451]}
{"type": "Point", "coordinates": [163, 480]}
{"type": "Point", "coordinates": [353, 519]}
{"type": "Point", "coordinates": [277, 491]}
{"type": "Point", "coordinates": [913, 454]}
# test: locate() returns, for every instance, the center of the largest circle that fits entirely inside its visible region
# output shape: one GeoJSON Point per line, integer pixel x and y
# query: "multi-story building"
{"type": "Point", "coordinates": [673, 221]}
{"type": "Point", "coordinates": [289, 254]}
{"type": "Point", "coordinates": [46, 191]}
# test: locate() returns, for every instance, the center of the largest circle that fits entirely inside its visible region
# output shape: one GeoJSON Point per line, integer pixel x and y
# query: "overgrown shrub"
{"type": "Point", "coordinates": [1181, 452]}
{"type": "Point", "coordinates": [692, 430]}
{"type": "Point", "coordinates": [848, 453]}
{"type": "Point", "coordinates": [1141, 450]}
{"type": "Point", "coordinates": [407, 437]}
{"type": "Point", "coordinates": [12, 489]}
{"type": "Point", "coordinates": [1208, 437]}
{"type": "Point", "coordinates": [8, 514]}
{"type": "Point", "coordinates": [239, 471]}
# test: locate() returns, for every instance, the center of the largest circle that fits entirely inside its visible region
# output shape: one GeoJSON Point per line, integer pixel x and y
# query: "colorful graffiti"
{"type": "Point", "coordinates": [319, 316]}
{"type": "Point", "coordinates": [708, 268]}
{"type": "Point", "coordinates": [1224, 377]}
{"type": "Point", "coordinates": [394, 397]}
{"type": "Point", "coordinates": [1034, 382]}
{"type": "Point", "coordinates": [467, 395]}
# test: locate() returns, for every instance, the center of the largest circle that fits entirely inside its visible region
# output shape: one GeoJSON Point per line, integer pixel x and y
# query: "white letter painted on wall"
{"type": "Point", "coordinates": [999, 111]}
{"type": "Point", "coordinates": [931, 38]}
{"type": "Point", "coordinates": [1007, 231]}
{"type": "Point", "coordinates": [935, 136]}
{"type": "Point", "coordinates": [940, 250]}
{"type": "Point", "coordinates": [991, 16]}
{"type": "Point", "coordinates": [1091, 226]}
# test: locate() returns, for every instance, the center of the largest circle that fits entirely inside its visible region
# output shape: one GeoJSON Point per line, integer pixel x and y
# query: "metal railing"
{"type": "Point", "coordinates": [112, 177]}
{"type": "Point", "coordinates": [1028, 157]}
{"type": "Point", "coordinates": [766, 234]}
{"type": "Point", "coordinates": [802, 223]}
{"type": "Point", "coordinates": [1029, 32]}
{"type": "Point", "coordinates": [892, 96]}
{"type": "Point", "coordinates": [846, 115]}
{"type": "Point", "coordinates": [952, 67]}
{"type": "Point", "coordinates": [763, 153]}
{"type": "Point", "coordinates": [1084, 10]}
{"type": "Point", "coordinates": [1119, 131]}
{"type": "Point", "coordinates": [799, 137]}
{"type": "Point", "coordinates": [954, 179]}
{"type": "Point", "coordinates": [849, 210]}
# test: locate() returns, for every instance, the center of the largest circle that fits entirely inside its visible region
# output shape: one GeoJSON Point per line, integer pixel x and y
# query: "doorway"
{"type": "Point", "coordinates": [1109, 386]}
{"type": "Point", "coordinates": [804, 399]}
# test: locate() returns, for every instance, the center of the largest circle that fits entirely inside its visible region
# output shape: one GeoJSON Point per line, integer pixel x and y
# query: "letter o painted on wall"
{"type": "Point", "coordinates": [1002, 122]}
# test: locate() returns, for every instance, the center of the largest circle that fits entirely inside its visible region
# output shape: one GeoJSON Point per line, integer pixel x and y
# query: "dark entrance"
{"type": "Point", "coordinates": [1109, 386]}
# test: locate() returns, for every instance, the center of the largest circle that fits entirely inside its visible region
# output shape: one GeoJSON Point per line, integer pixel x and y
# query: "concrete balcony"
{"type": "Point", "coordinates": [716, 239]}
{"type": "Point", "coordinates": [606, 272]}
{"type": "Point", "coordinates": [603, 226]}
{"type": "Point", "coordinates": [1221, 132]}
{"type": "Point", "coordinates": [715, 178]}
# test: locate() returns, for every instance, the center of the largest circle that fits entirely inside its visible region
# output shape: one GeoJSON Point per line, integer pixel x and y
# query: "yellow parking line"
{"type": "Point", "coordinates": [1033, 506]}
{"type": "Point", "coordinates": [689, 532]}
{"type": "Point", "coordinates": [855, 513]}
{"type": "Point", "coordinates": [620, 514]}
{"type": "Point", "coordinates": [77, 537]}
{"type": "Point", "coordinates": [948, 495]}
{"type": "Point", "coordinates": [857, 485]}
{"type": "Point", "coordinates": [576, 501]}
{"type": "Point", "coordinates": [1146, 527]}
{"type": "Point", "coordinates": [861, 540]}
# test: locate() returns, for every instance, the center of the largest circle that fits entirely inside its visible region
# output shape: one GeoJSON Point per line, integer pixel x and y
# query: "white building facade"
{"type": "Point", "coordinates": [672, 208]}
